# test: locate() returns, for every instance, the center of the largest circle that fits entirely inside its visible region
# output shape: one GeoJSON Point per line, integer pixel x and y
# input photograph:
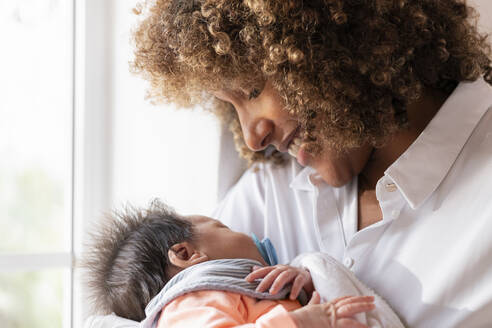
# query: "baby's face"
{"type": "Point", "coordinates": [219, 242]}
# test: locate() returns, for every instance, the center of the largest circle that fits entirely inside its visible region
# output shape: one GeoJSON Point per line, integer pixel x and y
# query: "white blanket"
{"type": "Point", "coordinates": [331, 279]}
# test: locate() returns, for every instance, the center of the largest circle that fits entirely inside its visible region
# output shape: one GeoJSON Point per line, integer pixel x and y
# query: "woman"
{"type": "Point", "coordinates": [385, 106]}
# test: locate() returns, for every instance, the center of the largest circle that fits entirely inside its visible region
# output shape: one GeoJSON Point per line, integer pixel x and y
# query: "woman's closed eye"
{"type": "Point", "coordinates": [254, 94]}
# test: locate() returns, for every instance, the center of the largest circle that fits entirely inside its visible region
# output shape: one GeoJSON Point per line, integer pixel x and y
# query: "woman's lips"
{"type": "Point", "coordinates": [295, 146]}
{"type": "Point", "coordinates": [288, 141]}
{"type": "Point", "coordinates": [296, 149]}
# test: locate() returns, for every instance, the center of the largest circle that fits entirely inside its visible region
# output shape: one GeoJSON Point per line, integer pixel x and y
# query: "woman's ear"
{"type": "Point", "coordinates": [184, 255]}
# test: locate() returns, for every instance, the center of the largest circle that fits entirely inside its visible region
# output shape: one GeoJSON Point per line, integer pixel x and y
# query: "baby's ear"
{"type": "Point", "coordinates": [184, 255]}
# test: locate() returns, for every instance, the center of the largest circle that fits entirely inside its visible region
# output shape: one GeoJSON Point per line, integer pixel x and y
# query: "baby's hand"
{"type": "Point", "coordinates": [276, 277]}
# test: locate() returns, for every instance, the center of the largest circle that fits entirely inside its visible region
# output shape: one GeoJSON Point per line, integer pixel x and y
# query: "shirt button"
{"type": "Point", "coordinates": [390, 187]}
{"type": "Point", "coordinates": [395, 213]}
{"type": "Point", "coordinates": [348, 262]}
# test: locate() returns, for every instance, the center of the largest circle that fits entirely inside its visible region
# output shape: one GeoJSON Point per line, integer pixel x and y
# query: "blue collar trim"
{"type": "Point", "coordinates": [266, 249]}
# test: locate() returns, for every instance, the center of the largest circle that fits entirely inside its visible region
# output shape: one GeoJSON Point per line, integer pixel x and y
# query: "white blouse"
{"type": "Point", "coordinates": [431, 255]}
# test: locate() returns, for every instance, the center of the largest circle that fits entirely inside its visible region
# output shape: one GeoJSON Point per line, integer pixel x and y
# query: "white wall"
{"type": "Point", "coordinates": [484, 7]}
{"type": "Point", "coordinates": [158, 151]}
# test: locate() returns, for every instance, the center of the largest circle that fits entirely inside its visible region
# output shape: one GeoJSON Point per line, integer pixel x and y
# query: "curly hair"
{"type": "Point", "coordinates": [347, 69]}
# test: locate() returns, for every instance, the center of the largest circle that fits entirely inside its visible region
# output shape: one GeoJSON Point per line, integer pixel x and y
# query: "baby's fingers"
{"type": "Point", "coordinates": [259, 273]}
{"type": "Point", "coordinates": [281, 280]}
{"type": "Point", "coordinates": [269, 279]}
{"type": "Point", "coordinates": [299, 282]}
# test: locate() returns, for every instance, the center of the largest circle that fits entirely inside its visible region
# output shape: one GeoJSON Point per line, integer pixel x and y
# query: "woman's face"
{"type": "Point", "coordinates": [264, 122]}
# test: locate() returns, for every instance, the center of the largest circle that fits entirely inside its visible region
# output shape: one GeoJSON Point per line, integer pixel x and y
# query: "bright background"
{"type": "Point", "coordinates": [77, 138]}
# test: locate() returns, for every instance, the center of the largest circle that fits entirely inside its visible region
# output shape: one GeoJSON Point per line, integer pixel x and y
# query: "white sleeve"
{"type": "Point", "coordinates": [332, 280]}
{"type": "Point", "coordinates": [109, 321]}
{"type": "Point", "coordinates": [243, 208]}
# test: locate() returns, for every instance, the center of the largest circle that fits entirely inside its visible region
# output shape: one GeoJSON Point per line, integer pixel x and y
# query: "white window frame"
{"type": "Point", "coordinates": [91, 150]}
{"type": "Point", "coordinates": [92, 130]}
{"type": "Point", "coordinates": [32, 261]}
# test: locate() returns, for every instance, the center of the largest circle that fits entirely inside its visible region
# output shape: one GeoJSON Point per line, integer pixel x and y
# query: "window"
{"type": "Point", "coordinates": [127, 150]}
{"type": "Point", "coordinates": [36, 62]}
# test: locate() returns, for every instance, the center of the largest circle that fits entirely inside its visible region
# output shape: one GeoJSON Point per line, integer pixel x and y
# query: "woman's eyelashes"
{"type": "Point", "coordinates": [254, 94]}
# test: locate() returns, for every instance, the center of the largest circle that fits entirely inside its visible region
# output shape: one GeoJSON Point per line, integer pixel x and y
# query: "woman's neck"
{"type": "Point", "coordinates": [419, 114]}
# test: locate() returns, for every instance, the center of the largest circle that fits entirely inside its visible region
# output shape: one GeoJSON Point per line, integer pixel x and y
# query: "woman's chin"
{"type": "Point", "coordinates": [332, 167]}
{"type": "Point", "coordinates": [332, 176]}
{"type": "Point", "coordinates": [333, 181]}
{"type": "Point", "coordinates": [337, 169]}
{"type": "Point", "coordinates": [302, 157]}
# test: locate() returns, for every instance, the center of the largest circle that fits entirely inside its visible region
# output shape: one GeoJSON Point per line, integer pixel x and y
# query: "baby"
{"type": "Point", "coordinates": [173, 271]}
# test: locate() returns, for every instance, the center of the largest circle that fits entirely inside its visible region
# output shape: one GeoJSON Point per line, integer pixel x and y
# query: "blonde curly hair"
{"type": "Point", "coordinates": [346, 68]}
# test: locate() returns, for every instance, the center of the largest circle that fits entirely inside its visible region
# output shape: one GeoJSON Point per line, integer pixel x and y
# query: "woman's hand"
{"type": "Point", "coordinates": [338, 313]}
{"type": "Point", "coordinates": [274, 278]}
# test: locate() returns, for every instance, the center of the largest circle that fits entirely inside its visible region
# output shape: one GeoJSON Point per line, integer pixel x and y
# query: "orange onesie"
{"type": "Point", "coordinates": [221, 309]}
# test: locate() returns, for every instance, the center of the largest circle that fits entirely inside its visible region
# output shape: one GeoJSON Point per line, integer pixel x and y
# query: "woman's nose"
{"type": "Point", "coordinates": [258, 134]}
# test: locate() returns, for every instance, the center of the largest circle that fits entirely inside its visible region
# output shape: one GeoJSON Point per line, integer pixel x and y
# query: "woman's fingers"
{"type": "Point", "coordinates": [349, 310]}
{"type": "Point", "coordinates": [352, 299]}
{"type": "Point", "coordinates": [351, 305]}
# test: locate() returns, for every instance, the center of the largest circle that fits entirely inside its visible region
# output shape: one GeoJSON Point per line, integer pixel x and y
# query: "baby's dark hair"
{"type": "Point", "coordinates": [127, 260]}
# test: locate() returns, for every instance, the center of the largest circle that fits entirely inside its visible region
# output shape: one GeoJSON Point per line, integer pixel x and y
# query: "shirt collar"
{"type": "Point", "coordinates": [302, 180]}
{"type": "Point", "coordinates": [421, 168]}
